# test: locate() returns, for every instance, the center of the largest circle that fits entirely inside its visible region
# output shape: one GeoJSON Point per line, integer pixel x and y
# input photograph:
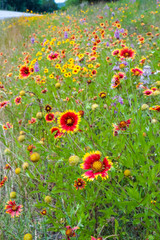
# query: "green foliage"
{"type": "Point", "coordinates": [36, 6]}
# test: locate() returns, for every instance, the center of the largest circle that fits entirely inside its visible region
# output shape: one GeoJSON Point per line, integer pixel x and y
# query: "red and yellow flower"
{"type": "Point", "coordinates": [43, 212]}
{"type": "Point", "coordinates": [13, 209]}
{"type": "Point", "coordinates": [49, 117]}
{"type": "Point", "coordinates": [17, 100]}
{"type": "Point", "coordinates": [127, 52]}
{"type": "Point", "coordinates": [99, 238]}
{"type": "Point", "coordinates": [148, 92]}
{"type": "Point", "coordinates": [137, 71]}
{"type": "Point", "coordinates": [156, 108]}
{"type": "Point", "coordinates": [24, 72]}
{"type": "Point", "coordinates": [79, 184]}
{"type": "Point", "coordinates": [70, 232]}
{"type": "Point", "coordinates": [97, 168]}
{"type": "Point", "coordinates": [52, 56]}
{"type": "Point", "coordinates": [7, 126]}
{"type": "Point", "coordinates": [69, 121]}
{"type": "Point", "coordinates": [123, 125]}
{"type": "Point", "coordinates": [115, 52]}
{"type": "Point", "coordinates": [4, 104]}
{"type": "Point", "coordinates": [3, 181]}
{"type": "Point", "coordinates": [33, 120]}
{"type": "Point", "coordinates": [57, 132]}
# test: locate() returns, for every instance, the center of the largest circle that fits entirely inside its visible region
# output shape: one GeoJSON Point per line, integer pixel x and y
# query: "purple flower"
{"type": "Point", "coordinates": [32, 40]}
{"type": "Point", "coordinates": [122, 30]}
{"type": "Point", "coordinates": [119, 99]}
{"type": "Point", "coordinates": [107, 44]}
{"type": "Point", "coordinates": [65, 35]}
{"type": "Point", "coordinates": [116, 68]}
{"type": "Point", "coordinates": [36, 67]}
{"type": "Point", "coordinates": [116, 34]}
{"type": "Point", "coordinates": [113, 14]}
{"type": "Point", "coordinates": [106, 7]}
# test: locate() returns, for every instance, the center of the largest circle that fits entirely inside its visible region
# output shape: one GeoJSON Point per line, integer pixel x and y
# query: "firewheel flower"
{"type": "Point", "coordinates": [57, 132]}
{"type": "Point", "coordinates": [98, 168]}
{"type": "Point", "coordinates": [24, 72]}
{"type": "Point", "coordinates": [7, 126]}
{"type": "Point", "coordinates": [99, 238]}
{"type": "Point", "coordinates": [49, 117]}
{"type": "Point", "coordinates": [121, 126]}
{"type": "Point", "coordinates": [137, 71]}
{"type": "Point", "coordinates": [79, 184]}
{"type": "Point", "coordinates": [70, 232]}
{"type": "Point", "coordinates": [156, 108]}
{"type": "Point", "coordinates": [4, 104]}
{"type": "Point", "coordinates": [148, 92]}
{"type": "Point", "coordinates": [127, 53]}
{"type": "Point", "coordinates": [13, 209]}
{"type": "Point", "coordinates": [3, 181]}
{"type": "Point", "coordinates": [69, 121]}
{"type": "Point", "coordinates": [17, 100]}
{"type": "Point", "coordinates": [52, 56]}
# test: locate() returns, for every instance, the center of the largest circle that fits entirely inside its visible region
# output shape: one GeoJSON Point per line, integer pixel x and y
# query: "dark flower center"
{"type": "Point", "coordinates": [26, 71]}
{"type": "Point", "coordinates": [69, 121]}
{"type": "Point", "coordinates": [50, 117]}
{"type": "Point", "coordinates": [126, 54]}
{"type": "Point", "coordinates": [117, 82]}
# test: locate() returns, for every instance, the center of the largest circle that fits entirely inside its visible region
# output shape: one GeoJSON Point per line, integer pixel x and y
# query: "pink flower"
{"type": "Point", "coordinates": [33, 120]}
{"type": "Point", "coordinates": [70, 232]}
{"type": "Point", "coordinates": [99, 238]}
{"type": "Point", "coordinates": [13, 209]}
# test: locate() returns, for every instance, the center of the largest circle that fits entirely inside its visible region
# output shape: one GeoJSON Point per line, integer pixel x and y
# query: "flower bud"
{"type": "Point", "coordinates": [94, 106]}
{"type": "Point", "coordinates": [34, 157]}
{"type": "Point", "coordinates": [73, 160]}
{"type": "Point", "coordinates": [154, 121]}
{"type": "Point", "coordinates": [28, 236]}
{"type": "Point", "coordinates": [22, 93]}
{"type": "Point", "coordinates": [127, 172]}
{"type": "Point", "coordinates": [39, 115]}
{"type": "Point", "coordinates": [7, 151]}
{"type": "Point", "coordinates": [25, 165]}
{"type": "Point", "coordinates": [58, 85]}
{"type": "Point", "coordinates": [13, 195]}
{"type": "Point", "coordinates": [17, 171]}
{"type": "Point", "coordinates": [47, 199]}
{"type": "Point", "coordinates": [144, 106]}
{"type": "Point", "coordinates": [21, 138]}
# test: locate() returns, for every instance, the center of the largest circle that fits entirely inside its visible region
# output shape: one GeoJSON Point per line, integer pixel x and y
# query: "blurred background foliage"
{"type": "Point", "coordinates": [43, 5]}
{"type": "Point", "coordinates": [34, 5]}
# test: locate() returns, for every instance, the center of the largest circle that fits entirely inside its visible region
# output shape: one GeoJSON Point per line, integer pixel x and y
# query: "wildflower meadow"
{"type": "Point", "coordinates": [80, 123]}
